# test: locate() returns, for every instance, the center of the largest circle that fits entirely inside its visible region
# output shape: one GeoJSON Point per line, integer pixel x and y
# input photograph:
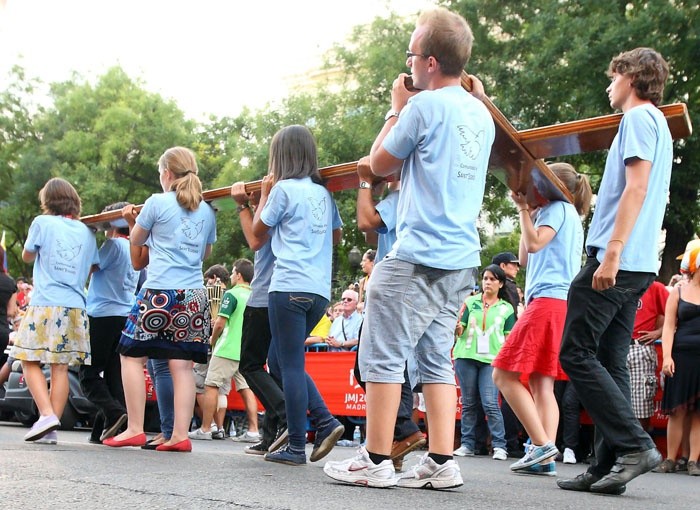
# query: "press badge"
{"type": "Point", "coordinates": [482, 343]}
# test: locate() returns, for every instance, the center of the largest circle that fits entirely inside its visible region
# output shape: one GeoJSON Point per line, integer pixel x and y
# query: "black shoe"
{"type": "Point", "coordinates": [281, 439]}
{"type": "Point", "coordinates": [626, 468]}
{"type": "Point", "coordinates": [260, 448]}
{"type": "Point", "coordinates": [151, 445]}
{"type": "Point", "coordinates": [583, 482]}
{"type": "Point", "coordinates": [326, 439]}
{"type": "Point", "coordinates": [516, 453]}
{"type": "Point", "coordinates": [94, 440]}
{"type": "Point", "coordinates": [112, 428]}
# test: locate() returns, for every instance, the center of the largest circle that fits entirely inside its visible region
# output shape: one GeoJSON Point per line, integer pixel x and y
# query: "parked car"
{"type": "Point", "coordinates": [79, 411]}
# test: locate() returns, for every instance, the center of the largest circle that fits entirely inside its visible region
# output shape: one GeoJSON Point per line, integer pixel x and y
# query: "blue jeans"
{"type": "Point", "coordinates": [292, 317]}
{"type": "Point", "coordinates": [475, 380]}
{"type": "Point", "coordinates": [593, 354]}
{"type": "Point", "coordinates": [163, 382]}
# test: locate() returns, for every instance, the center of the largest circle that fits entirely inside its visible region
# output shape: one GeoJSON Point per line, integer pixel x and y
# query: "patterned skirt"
{"type": "Point", "coordinates": [168, 324]}
{"type": "Point", "coordinates": [53, 334]}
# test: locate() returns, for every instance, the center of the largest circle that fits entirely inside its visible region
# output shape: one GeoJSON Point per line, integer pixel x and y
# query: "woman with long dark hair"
{"type": "Point", "coordinates": [486, 321]}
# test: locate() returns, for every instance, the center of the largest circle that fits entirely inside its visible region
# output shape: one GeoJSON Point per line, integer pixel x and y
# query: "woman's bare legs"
{"type": "Point", "coordinates": [134, 383]}
{"type": "Point", "coordinates": [183, 386]}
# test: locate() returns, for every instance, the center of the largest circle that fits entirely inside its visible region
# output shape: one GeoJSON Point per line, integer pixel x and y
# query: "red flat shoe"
{"type": "Point", "coordinates": [137, 440]}
{"type": "Point", "coordinates": [183, 446]}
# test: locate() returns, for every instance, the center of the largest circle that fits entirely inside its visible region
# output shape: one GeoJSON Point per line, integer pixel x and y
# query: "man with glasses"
{"type": "Point", "coordinates": [346, 327]}
{"type": "Point", "coordinates": [439, 137]}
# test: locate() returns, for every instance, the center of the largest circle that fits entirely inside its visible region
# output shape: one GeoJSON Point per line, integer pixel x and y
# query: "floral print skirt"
{"type": "Point", "coordinates": [53, 334]}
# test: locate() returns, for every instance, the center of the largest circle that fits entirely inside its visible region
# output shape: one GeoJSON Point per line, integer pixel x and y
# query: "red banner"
{"type": "Point", "coordinates": [333, 374]}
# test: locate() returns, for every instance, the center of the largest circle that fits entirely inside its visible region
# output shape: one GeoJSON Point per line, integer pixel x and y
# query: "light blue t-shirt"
{"type": "Point", "coordinates": [112, 287]}
{"type": "Point", "coordinates": [65, 251]}
{"type": "Point", "coordinates": [345, 329]}
{"type": "Point", "coordinates": [177, 241]}
{"type": "Point", "coordinates": [302, 216]}
{"type": "Point", "coordinates": [263, 263]}
{"type": "Point", "coordinates": [550, 270]}
{"type": "Point", "coordinates": [643, 134]}
{"type": "Point", "coordinates": [387, 234]}
{"type": "Point", "coordinates": [445, 137]}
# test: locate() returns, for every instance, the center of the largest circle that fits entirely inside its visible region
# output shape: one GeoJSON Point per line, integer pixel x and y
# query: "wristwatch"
{"type": "Point", "coordinates": [390, 114]}
{"type": "Point", "coordinates": [242, 206]}
{"type": "Point", "coordinates": [365, 185]}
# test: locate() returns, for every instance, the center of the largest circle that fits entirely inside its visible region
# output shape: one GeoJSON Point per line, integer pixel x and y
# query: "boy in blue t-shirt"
{"type": "Point", "coordinates": [622, 262]}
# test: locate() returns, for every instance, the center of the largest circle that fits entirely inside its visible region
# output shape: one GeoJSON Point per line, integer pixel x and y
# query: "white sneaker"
{"type": "Point", "coordinates": [360, 470]}
{"type": "Point", "coordinates": [200, 434]}
{"type": "Point", "coordinates": [428, 474]}
{"type": "Point", "coordinates": [500, 454]}
{"type": "Point", "coordinates": [248, 437]}
{"type": "Point", "coordinates": [50, 438]}
{"type": "Point", "coordinates": [463, 451]}
{"type": "Point", "coordinates": [569, 456]}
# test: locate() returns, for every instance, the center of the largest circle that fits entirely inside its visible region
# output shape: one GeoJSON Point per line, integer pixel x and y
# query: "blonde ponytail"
{"type": "Point", "coordinates": [187, 186]}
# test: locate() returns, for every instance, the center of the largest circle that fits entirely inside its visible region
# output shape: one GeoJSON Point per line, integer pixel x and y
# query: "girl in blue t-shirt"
{"type": "Point", "coordinates": [54, 330]}
{"type": "Point", "coordinates": [171, 317]}
{"type": "Point", "coordinates": [551, 245]}
{"type": "Point", "coordinates": [303, 224]}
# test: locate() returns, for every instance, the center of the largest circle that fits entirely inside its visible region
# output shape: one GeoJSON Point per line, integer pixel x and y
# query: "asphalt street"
{"type": "Point", "coordinates": [218, 474]}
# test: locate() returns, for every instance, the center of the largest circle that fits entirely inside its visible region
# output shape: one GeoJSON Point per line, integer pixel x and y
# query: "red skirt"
{"type": "Point", "coordinates": [533, 344]}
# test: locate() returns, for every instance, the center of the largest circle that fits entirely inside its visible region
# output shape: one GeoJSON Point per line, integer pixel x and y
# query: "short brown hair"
{"type": "Point", "coordinates": [218, 271]}
{"type": "Point", "coordinates": [244, 267]}
{"type": "Point", "coordinates": [447, 38]}
{"type": "Point", "coordinates": [648, 71]}
{"type": "Point", "coordinates": [59, 198]}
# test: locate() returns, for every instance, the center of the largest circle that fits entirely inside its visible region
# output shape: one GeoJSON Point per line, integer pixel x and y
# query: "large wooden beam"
{"type": "Point", "coordinates": [593, 134]}
{"type": "Point", "coordinates": [516, 156]}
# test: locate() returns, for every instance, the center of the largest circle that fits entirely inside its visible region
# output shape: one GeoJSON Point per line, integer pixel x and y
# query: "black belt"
{"type": "Point", "coordinates": [592, 251]}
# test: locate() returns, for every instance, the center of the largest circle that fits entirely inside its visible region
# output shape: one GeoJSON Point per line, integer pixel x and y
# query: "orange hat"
{"type": "Point", "coordinates": [694, 243]}
{"type": "Point", "coordinates": [689, 263]}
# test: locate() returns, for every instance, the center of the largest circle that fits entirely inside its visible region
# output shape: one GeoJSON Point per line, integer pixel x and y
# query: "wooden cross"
{"type": "Point", "coordinates": [516, 156]}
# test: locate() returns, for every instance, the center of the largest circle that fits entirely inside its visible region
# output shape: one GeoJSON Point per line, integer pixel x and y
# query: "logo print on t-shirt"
{"type": "Point", "coordinates": [472, 141]}
{"type": "Point", "coordinates": [318, 208]}
{"type": "Point", "coordinates": [68, 253]}
{"type": "Point", "coordinates": [191, 229]}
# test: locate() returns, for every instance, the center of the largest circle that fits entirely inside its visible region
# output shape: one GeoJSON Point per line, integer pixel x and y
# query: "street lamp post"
{"type": "Point", "coordinates": [354, 257]}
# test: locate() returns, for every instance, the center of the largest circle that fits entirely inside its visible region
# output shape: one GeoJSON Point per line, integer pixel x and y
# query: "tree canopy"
{"type": "Point", "coordinates": [542, 62]}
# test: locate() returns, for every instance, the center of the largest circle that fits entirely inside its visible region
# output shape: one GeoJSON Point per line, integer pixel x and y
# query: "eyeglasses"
{"type": "Point", "coordinates": [409, 55]}
{"type": "Point", "coordinates": [347, 300]}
